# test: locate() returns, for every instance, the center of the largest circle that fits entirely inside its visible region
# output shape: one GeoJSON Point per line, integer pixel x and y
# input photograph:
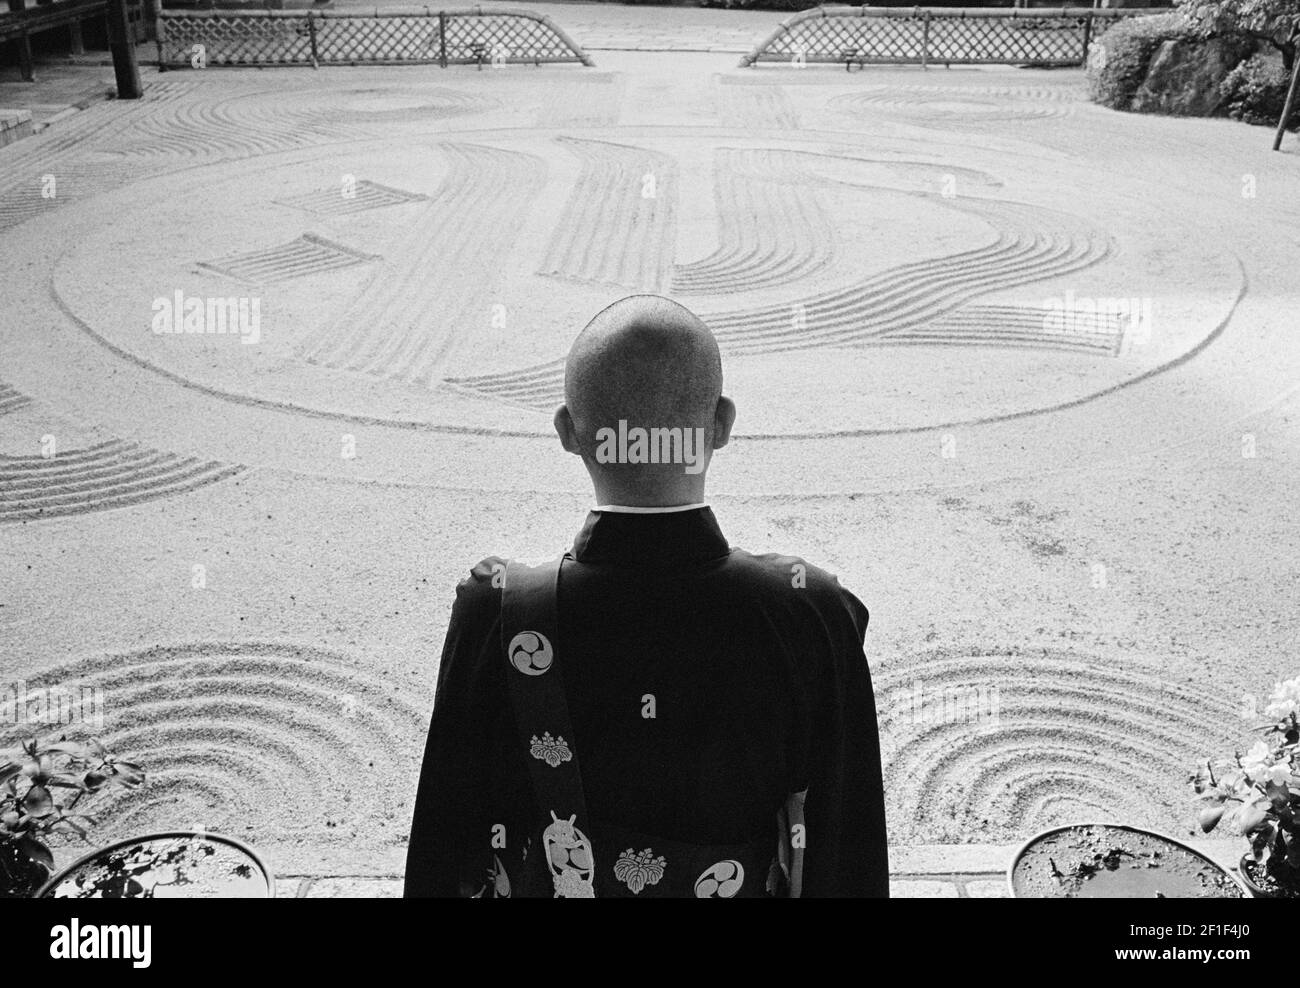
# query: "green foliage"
{"type": "Point", "coordinates": [1118, 60]}
{"type": "Point", "coordinates": [1273, 20]}
{"type": "Point", "coordinates": [781, 5]}
{"type": "Point", "coordinates": [40, 786]}
{"type": "Point", "coordinates": [1255, 91]}
{"type": "Point", "coordinates": [1259, 791]}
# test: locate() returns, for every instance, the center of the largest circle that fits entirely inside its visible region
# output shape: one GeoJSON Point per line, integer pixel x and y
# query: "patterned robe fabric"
{"type": "Point", "coordinates": [706, 686]}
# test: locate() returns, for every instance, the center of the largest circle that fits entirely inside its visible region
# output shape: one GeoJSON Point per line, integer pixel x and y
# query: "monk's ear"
{"type": "Point", "coordinates": [724, 417]}
{"type": "Point", "coordinates": [566, 430]}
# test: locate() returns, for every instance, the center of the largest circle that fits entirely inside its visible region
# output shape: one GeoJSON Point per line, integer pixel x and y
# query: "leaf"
{"type": "Point", "coordinates": [8, 771]}
{"type": "Point", "coordinates": [37, 851]}
{"type": "Point", "coordinates": [1209, 818]}
{"type": "Point", "coordinates": [1277, 795]}
{"type": "Point", "coordinates": [1250, 818]}
{"type": "Point", "coordinates": [131, 773]}
{"type": "Point", "coordinates": [38, 802]}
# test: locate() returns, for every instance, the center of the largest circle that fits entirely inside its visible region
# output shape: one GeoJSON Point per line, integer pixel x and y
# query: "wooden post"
{"type": "Point", "coordinates": [122, 45]}
{"type": "Point", "coordinates": [22, 44]}
{"type": "Point", "coordinates": [442, 38]}
{"type": "Point", "coordinates": [150, 19]}
{"type": "Point", "coordinates": [925, 41]}
{"type": "Point", "coordinates": [26, 64]}
{"type": "Point", "coordinates": [1290, 101]}
{"type": "Point", "coordinates": [76, 46]}
{"type": "Point", "coordinates": [1087, 37]}
{"type": "Point", "coordinates": [311, 32]}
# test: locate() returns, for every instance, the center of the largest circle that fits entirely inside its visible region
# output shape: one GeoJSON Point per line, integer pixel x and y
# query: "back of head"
{"type": "Point", "coordinates": [644, 363]}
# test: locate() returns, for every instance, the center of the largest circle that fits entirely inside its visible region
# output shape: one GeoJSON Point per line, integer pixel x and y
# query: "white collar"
{"type": "Point", "coordinates": [656, 510]}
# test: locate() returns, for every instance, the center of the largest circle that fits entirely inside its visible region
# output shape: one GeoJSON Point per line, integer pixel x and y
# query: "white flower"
{"type": "Point", "coordinates": [1284, 701]}
{"type": "Point", "coordinates": [1258, 765]}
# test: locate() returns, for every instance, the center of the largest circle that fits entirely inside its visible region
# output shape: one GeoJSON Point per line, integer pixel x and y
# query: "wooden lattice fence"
{"type": "Point", "coordinates": [447, 37]}
{"type": "Point", "coordinates": [948, 35]}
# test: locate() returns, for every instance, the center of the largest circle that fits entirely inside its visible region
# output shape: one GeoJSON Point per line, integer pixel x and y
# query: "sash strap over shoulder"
{"type": "Point", "coordinates": [560, 847]}
{"type": "Point", "coordinates": [529, 639]}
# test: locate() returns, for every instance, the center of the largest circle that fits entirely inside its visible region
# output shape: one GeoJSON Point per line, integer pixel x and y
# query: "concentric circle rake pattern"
{"type": "Point", "coordinates": [249, 738]}
{"type": "Point", "coordinates": [1021, 741]}
{"type": "Point", "coordinates": [237, 127]}
{"type": "Point", "coordinates": [107, 475]}
{"type": "Point", "coordinates": [59, 165]}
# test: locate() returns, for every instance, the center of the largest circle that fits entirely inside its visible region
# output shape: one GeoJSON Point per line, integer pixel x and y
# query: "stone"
{"type": "Point", "coordinates": [14, 125]}
{"type": "Point", "coordinates": [922, 889]}
{"type": "Point", "coordinates": [985, 888]}
{"type": "Point", "coordinates": [355, 888]}
{"type": "Point", "coordinates": [1185, 75]}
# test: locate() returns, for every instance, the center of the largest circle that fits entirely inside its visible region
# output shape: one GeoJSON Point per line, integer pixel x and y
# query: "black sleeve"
{"type": "Point", "coordinates": [845, 851]}
{"type": "Point", "coordinates": [449, 849]}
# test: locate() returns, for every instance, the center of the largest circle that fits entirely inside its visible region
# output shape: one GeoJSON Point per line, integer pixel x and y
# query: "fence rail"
{"type": "Point", "coordinates": [442, 37]}
{"type": "Point", "coordinates": [950, 35]}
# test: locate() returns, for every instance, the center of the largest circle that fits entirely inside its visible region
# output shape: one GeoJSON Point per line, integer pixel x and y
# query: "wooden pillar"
{"type": "Point", "coordinates": [26, 64]}
{"type": "Point", "coordinates": [122, 44]}
{"type": "Point", "coordinates": [151, 8]}
{"type": "Point", "coordinates": [76, 46]}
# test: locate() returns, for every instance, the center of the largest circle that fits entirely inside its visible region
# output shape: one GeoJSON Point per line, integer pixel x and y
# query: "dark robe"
{"type": "Point", "coordinates": [753, 669]}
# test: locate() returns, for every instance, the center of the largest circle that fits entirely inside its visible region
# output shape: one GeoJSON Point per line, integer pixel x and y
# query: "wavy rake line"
{"type": "Point", "coordinates": [1067, 731]}
{"type": "Point", "coordinates": [247, 125]}
{"type": "Point", "coordinates": [1013, 327]}
{"type": "Point", "coordinates": [74, 180]}
{"type": "Point", "coordinates": [432, 289]}
{"type": "Point", "coordinates": [754, 107]}
{"type": "Point", "coordinates": [881, 311]}
{"type": "Point", "coordinates": [539, 387]}
{"type": "Point", "coordinates": [773, 229]}
{"type": "Point", "coordinates": [88, 129]}
{"type": "Point", "coordinates": [614, 233]}
{"type": "Point", "coordinates": [107, 475]}
{"type": "Point", "coordinates": [980, 105]}
{"type": "Point", "coordinates": [11, 399]}
{"type": "Point", "coordinates": [917, 293]}
{"type": "Point", "coordinates": [66, 153]}
{"type": "Point", "coordinates": [441, 103]}
{"type": "Point", "coordinates": [231, 732]}
{"type": "Point", "coordinates": [221, 129]}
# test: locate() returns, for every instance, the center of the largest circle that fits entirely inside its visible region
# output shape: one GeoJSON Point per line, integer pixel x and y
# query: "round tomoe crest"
{"type": "Point", "coordinates": [530, 653]}
{"type": "Point", "coordinates": [720, 881]}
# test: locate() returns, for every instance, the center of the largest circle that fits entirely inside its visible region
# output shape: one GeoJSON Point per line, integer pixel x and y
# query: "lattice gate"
{"type": "Point", "coordinates": [447, 37]}
{"type": "Point", "coordinates": [922, 35]}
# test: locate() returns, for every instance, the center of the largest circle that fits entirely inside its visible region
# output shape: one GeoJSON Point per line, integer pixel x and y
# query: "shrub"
{"type": "Point", "coordinates": [1274, 21]}
{"type": "Point", "coordinates": [1118, 60]}
{"type": "Point", "coordinates": [1255, 91]}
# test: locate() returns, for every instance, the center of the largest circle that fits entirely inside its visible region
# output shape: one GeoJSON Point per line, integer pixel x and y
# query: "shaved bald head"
{"type": "Point", "coordinates": [648, 362]}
